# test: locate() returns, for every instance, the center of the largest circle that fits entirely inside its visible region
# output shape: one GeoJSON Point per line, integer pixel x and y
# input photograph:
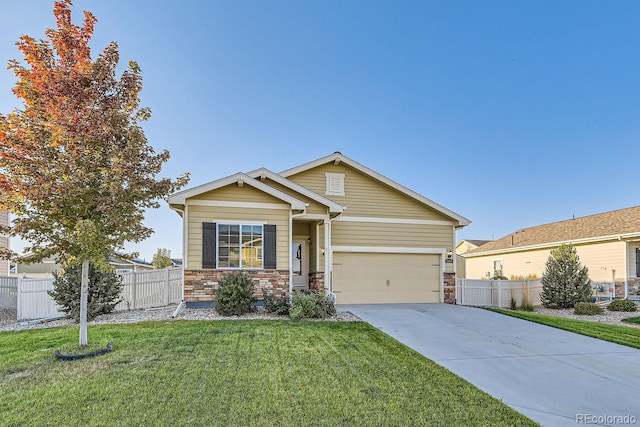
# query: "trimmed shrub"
{"type": "Point", "coordinates": [587, 308]}
{"type": "Point", "coordinates": [622, 305]}
{"type": "Point", "coordinates": [311, 306]}
{"type": "Point", "coordinates": [565, 281]}
{"type": "Point", "coordinates": [104, 291]}
{"type": "Point", "coordinates": [276, 305]}
{"type": "Point", "coordinates": [234, 296]}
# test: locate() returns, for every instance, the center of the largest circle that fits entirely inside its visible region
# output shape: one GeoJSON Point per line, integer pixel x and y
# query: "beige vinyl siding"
{"type": "Point", "coordinates": [199, 214]}
{"type": "Point", "coordinates": [313, 208]}
{"type": "Point", "coordinates": [600, 259]}
{"type": "Point", "coordinates": [396, 235]}
{"type": "Point", "coordinates": [374, 234]}
{"type": "Point", "coordinates": [365, 196]}
{"type": "Point", "coordinates": [4, 242]}
{"type": "Point", "coordinates": [320, 238]}
{"type": "Point", "coordinates": [233, 193]}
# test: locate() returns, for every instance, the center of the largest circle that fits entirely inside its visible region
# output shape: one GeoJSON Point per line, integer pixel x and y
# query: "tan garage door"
{"type": "Point", "coordinates": [378, 278]}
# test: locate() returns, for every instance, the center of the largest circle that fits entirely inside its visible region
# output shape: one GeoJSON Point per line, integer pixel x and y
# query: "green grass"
{"type": "Point", "coordinates": [632, 320]}
{"type": "Point", "coordinates": [613, 333]}
{"type": "Point", "coordinates": [234, 373]}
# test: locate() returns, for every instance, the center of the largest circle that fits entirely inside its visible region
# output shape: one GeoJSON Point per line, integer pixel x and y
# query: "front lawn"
{"type": "Point", "coordinates": [234, 373]}
{"type": "Point", "coordinates": [613, 333]}
{"type": "Point", "coordinates": [635, 320]}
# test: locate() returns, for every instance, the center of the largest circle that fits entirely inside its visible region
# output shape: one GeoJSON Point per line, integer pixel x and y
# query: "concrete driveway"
{"type": "Point", "coordinates": [553, 377]}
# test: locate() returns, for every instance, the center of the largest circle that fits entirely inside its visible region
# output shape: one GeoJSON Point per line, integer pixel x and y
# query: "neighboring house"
{"type": "Point", "coordinates": [4, 243]}
{"type": "Point", "coordinates": [38, 270]}
{"type": "Point", "coordinates": [463, 247]}
{"type": "Point", "coordinates": [47, 267]}
{"type": "Point", "coordinates": [122, 265]}
{"type": "Point", "coordinates": [608, 244]}
{"type": "Point", "coordinates": [330, 224]}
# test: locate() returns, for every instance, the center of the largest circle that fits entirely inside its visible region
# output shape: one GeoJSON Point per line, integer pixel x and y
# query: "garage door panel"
{"type": "Point", "coordinates": [378, 278]}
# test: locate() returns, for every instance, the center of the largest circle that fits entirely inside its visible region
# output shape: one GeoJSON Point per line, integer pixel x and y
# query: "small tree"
{"type": "Point", "coordinates": [162, 258]}
{"type": "Point", "coordinates": [76, 170]}
{"type": "Point", "coordinates": [565, 281]}
{"type": "Point", "coordinates": [104, 291]}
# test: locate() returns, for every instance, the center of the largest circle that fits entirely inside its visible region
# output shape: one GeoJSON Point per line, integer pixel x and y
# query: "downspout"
{"type": "Point", "coordinates": [291, 217]}
{"type": "Point", "coordinates": [626, 270]}
{"type": "Point", "coordinates": [184, 250]}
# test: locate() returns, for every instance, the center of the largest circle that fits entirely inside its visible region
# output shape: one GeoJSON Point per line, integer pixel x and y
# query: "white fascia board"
{"type": "Point", "coordinates": [339, 157]}
{"type": "Point", "coordinates": [614, 237]}
{"type": "Point", "coordinates": [180, 197]}
{"type": "Point", "coordinates": [333, 206]}
{"type": "Point", "coordinates": [389, 250]}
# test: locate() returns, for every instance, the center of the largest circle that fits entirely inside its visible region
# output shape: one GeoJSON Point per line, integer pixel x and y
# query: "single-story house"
{"type": "Point", "coordinates": [4, 243]}
{"type": "Point", "coordinates": [608, 244]}
{"type": "Point", "coordinates": [331, 224]}
{"type": "Point", "coordinates": [46, 268]}
{"type": "Point", "coordinates": [462, 248]}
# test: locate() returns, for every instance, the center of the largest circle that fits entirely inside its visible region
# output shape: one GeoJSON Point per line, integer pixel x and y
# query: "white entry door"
{"type": "Point", "coordinates": [300, 264]}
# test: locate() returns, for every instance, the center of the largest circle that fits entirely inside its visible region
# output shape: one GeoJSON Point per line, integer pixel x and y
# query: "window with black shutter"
{"type": "Point", "coordinates": [238, 246]}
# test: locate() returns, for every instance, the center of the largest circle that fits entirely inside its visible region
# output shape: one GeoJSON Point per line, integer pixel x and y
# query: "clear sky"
{"type": "Point", "coordinates": [510, 113]}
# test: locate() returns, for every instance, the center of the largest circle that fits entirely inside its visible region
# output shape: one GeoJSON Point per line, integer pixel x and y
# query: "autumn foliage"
{"type": "Point", "coordinates": [76, 169]}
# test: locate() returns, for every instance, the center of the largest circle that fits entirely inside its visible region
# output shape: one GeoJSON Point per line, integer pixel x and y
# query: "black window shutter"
{"type": "Point", "coordinates": [269, 262]}
{"type": "Point", "coordinates": [208, 245]}
{"type": "Point", "coordinates": [637, 262]}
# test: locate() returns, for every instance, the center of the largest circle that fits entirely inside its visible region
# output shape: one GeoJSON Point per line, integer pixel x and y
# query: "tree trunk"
{"type": "Point", "coordinates": [84, 298]}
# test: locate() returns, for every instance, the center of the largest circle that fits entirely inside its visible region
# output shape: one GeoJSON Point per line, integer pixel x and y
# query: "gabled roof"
{"type": "Point", "coordinates": [266, 173]}
{"type": "Point", "coordinates": [619, 224]}
{"type": "Point", "coordinates": [180, 197]}
{"type": "Point", "coordinates": [338, 158]}
{"type": "Point", "coordinates": [477, 242]}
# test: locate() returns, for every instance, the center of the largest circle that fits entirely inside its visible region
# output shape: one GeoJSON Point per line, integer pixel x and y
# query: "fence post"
{"type": "Point", "coordinates": [499, 293]}
{"type": "Point", "coordinates": [18, 299]}
{"type": "Point", "coordinates": [133, 290]}
{"type": "Point", "coordinates": [166, 286]}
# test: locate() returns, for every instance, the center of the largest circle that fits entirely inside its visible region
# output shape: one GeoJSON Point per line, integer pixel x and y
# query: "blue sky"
{"type": "Point", "coordinates": [511, 113]}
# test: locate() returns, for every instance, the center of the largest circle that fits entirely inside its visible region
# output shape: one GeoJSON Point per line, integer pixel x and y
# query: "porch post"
{"type": "Point", "coordinates": [328, 262]}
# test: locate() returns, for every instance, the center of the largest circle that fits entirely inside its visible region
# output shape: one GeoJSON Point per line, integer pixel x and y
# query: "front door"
{"type": "Point", "coordinates": [300, 264]}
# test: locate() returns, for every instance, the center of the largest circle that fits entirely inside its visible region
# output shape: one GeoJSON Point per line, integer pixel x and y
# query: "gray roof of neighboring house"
{"type": "Point", "coordinates": [619, 223]}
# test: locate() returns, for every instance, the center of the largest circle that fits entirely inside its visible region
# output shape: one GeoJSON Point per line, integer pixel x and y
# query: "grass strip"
{"type": "Point", "coordinates": [617, 334]}
{"type": "Point", "coordinates": [235, 373]}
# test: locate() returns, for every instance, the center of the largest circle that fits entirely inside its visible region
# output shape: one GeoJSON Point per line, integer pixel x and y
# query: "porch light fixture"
{"type": "Point", "coordinates": [309, 241]}
{"type": "Point", "coordinates": [449, 254]}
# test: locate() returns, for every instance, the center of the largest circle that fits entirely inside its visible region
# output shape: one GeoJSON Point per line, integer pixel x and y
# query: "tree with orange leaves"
{"type": "Point", "coordinates": [76, 170]}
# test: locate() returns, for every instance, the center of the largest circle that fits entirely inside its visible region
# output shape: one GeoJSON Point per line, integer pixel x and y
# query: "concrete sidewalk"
{"type": "Point", "coordinates": [552, 376]}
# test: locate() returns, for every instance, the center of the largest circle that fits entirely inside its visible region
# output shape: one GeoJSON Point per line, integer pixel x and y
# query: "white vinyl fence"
{"type": "Point", "coordinates": [8, 292]}
{"type": "Point", "coordinates": [497, 293]}
{"type": "Point", "coordinates": [141, 289]}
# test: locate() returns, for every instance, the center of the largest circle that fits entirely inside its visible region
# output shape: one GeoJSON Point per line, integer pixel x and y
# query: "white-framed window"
{"type": "Point", "coordinates": [497, 267]}
{"type": "Point", "coordinates": [335, 184]}
{"type": "Point", "coordinates": [240, 246]}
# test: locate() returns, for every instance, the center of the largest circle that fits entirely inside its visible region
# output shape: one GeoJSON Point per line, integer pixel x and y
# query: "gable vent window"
{"type": "Point", "coordinates": [335, 184]}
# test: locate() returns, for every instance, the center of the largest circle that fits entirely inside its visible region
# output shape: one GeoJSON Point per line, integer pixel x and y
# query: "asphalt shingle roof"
{"type": "Point", "coordinates": [614, 223]}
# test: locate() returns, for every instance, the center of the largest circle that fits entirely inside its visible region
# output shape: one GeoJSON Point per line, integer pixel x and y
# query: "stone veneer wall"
{"type": "Point", "coordinates": [634, 287]}
{"type": "Point", "coordinates": [201, 285]}
{"type": "Point", "coordinates": [450, 288]}
{"type": "Point", "coordinates": [316, 280]}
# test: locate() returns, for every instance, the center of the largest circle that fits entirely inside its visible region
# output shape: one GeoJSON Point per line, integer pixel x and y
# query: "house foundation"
{"type": "Point", "coordinates": [200, 286]}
